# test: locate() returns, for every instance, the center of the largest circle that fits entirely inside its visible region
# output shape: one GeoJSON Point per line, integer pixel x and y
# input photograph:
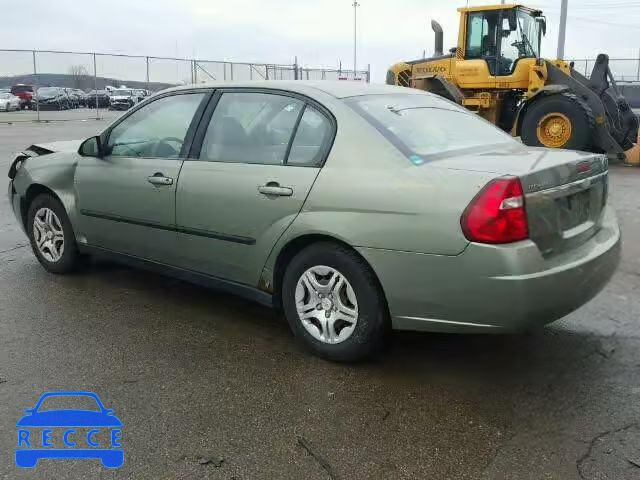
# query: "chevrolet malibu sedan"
{"type": "Point", "coordinates": [357, 209]}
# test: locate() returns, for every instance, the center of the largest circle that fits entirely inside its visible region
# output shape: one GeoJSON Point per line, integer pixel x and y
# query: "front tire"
{"type": "Point", "coordinates": [333, 303]}
{"type": "Point", "coordinates": [51, 235]}
{"type": "Point", "coordinates": [559, 121]}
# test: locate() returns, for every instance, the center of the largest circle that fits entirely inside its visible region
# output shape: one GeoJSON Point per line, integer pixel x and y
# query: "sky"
{"type": "Point", "coordinates": [319, 33]}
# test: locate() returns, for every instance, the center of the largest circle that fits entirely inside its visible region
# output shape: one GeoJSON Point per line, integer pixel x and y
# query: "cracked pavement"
{"type": "Point", "coordinates": [210, 386]}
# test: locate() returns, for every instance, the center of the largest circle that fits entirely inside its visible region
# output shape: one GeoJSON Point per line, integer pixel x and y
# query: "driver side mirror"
{"type": "Point", "coordinates": [91, 147]}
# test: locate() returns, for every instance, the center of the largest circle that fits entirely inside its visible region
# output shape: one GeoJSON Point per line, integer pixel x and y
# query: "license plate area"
{"type": "Point", "coordinates": [574, 209]}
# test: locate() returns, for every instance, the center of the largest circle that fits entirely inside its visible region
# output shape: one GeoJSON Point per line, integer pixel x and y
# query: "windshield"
{"type": "Point", "coordinates": [5, 95]}
{"type": "Point", "coordinates": [48, 91]}
{"type": "Point", "coordinates": [121, 93]}
{"type": "Point", "coordinates": [424, 125]}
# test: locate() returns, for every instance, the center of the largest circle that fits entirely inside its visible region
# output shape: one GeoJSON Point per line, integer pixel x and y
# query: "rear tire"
{"type": "Point", "coordinates": [56, 256]}
{"type": "Point", "coordinates": [352, 337]}
{"type": "Point", "coordinates": [566, 108]}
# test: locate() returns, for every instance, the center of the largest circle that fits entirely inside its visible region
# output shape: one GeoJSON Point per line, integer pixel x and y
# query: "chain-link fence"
{"type": "Point", "coordinates": [55, 85]}
{"type": "Point", "coordinates": [623, 69]}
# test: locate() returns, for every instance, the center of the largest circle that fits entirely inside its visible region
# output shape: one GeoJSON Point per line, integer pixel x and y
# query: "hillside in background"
{"type": "Point", "coordinates": [83, 82]}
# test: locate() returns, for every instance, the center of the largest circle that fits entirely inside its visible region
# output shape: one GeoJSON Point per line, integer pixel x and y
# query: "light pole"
{"type": "Point", "coordinates": [563, 28]}
{"type": "Point", "coordinates": [355, 30]}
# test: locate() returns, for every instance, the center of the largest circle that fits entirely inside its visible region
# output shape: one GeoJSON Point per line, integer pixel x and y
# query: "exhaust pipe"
{"type": "Point", "coordinates": [437, 29]}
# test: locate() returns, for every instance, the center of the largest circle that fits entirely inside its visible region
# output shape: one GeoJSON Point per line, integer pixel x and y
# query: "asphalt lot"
{"type": "Point", "coordinates": [195, 374]}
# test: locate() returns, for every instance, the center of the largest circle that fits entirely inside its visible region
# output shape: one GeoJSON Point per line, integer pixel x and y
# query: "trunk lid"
{"type": "Point", "coordinates": [565, 191]}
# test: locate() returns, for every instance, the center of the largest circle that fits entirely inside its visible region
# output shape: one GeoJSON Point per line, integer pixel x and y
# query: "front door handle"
{"type": "Point", "coordinates": [273, 188]}
{"type": "Point", "coordinates": [159, 179]}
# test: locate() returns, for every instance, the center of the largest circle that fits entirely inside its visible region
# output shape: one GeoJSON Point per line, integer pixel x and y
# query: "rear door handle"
{"type": "Point", "coordinates": [159, 179]}
{"type": "Point", "coordinates": [272, 188]}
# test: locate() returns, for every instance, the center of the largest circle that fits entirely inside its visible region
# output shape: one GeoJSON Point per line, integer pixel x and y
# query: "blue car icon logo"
{"type": "Point", "coordinates": [69, 433]}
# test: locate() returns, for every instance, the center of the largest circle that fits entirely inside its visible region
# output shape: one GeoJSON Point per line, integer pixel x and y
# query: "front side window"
{"type": "Point", "coordinates": [251, 128]}
{"type": "Point", "coordinates": [423, 126]}
{"type": "Point", "coordinates": [157, 130]}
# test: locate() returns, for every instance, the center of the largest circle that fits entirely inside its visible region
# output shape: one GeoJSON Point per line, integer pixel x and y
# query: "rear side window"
{"type": "Point", "coordinates": [311, 138]}
{"type": "Point", "coordinates": [424, 125]}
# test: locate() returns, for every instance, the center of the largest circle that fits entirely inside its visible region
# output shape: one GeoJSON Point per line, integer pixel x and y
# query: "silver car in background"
{"type": "Point", "coordinates": [9, 102]}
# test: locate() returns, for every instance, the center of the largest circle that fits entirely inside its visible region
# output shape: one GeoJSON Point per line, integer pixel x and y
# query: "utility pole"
{"type": "Point", "coordinates": [355, 36]}
{"type": "Point", "coordinates": [563, 28]}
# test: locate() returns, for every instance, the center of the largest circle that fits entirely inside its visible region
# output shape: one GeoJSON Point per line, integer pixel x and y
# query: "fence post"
{"type": "Point", "coordinates": [195, 71]}
{"type": "Point", "coordinates": [266, 71]}
{"type": "Point", "coordinates": [35, 77]}
{"type": "Point", "coordinates": [295, 68]}
{"type": "Point", "coordinates": [638, 71]}
{"type": "Point", "coordinates": [231, 68]}
{"type": "Point", "coordinates": [147, 67]}
{"type": "Point", "coordinates": [95, 86]}
{"type": "Point", "coordinates": [368, 73]}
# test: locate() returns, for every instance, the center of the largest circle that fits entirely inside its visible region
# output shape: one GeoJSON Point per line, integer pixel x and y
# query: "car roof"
{"type": "Point", "coordinates": [338, 89]}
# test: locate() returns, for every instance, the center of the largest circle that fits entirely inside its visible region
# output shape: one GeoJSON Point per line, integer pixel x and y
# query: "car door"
{"type": "Point", "coordinates": [126, 199]}
{"type": "Point", "coordinates": [256, 161]}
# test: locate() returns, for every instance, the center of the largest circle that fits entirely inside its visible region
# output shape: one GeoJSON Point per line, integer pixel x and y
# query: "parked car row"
{"type": "Point", "coordinates": [61, 98]}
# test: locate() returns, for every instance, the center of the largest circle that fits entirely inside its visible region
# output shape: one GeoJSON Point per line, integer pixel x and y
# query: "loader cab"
{"type": "Point", "coordinates": [499, 36]}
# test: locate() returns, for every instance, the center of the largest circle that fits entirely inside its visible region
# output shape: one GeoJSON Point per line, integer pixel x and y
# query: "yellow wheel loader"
{"type": "Point", "coordinates": [496, 70]}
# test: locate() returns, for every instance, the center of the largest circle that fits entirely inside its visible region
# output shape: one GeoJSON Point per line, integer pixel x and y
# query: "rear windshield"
{"type": "Point", "coordinates": [21, 88]}
{"type": "Point", "coordinates": [424, 125]}
{"type": "Point", "coordinates": [121, 93]}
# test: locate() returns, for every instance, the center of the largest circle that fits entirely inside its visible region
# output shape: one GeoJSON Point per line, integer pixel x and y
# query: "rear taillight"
{"type": "Point", "coordinates": [497, 214]}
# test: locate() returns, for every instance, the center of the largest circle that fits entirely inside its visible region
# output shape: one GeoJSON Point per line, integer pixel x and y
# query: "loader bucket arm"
{"type": "Point", "coordinates": [616, 126]}
{"type": "Point", "coordinates": [624, 123]}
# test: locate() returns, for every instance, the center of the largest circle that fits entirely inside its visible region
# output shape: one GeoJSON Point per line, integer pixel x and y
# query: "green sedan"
{"type": "Point", "coordinates": [356, 209]}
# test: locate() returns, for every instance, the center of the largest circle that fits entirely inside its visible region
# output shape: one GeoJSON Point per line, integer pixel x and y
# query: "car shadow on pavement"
{"type": "Point", "coordinates": [547, 348]}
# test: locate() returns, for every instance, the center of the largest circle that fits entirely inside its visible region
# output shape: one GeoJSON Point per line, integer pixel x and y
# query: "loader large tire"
{"type": "Point", "coordinates": [559, 121]}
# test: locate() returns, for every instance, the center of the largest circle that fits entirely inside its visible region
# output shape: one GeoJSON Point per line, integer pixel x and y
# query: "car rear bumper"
{"type": "Point", "coordinates": [494, 287]}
